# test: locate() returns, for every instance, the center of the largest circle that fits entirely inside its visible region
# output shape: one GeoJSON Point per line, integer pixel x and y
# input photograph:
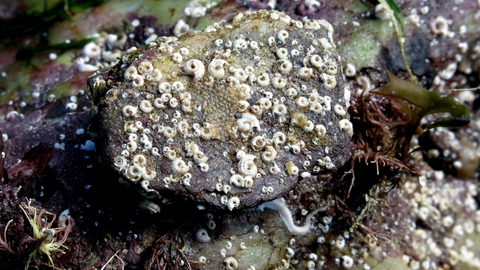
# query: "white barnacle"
{"type": "Point", "coordinates": [155, 152]}
{"type": "Point", "coordinates": [258, 143]}
{"type": "Point", "coordinates": [247, 166]}
{"type": "Point", "coordinates": [178, 86]}
{"type": "Point", "coordinates": [269, 154]}
{"type": "Point", "coordinates": [146, 106]}
{"type": "Point", "coordinates": [215, 68]}
{"type": "Point", "coordinates": [203, 167]}
{"type": "Point", "coordinates": [279, 138]}
{"type": "Point", "coordinates": [195, 68]}
{"type": "Point", "coordinates": [243, 105]}
{"type": "Point", "coordinates": [173, 102]}
{"type": "Point", "coordinates": [233, 81]}
{"type": "Point", "coordinates": [291, 168]}
{"type": "Point", "coordinates": [312, 24]}
{"type": "Point", "coordinates": [282, 53]}
{"type": "Point", "coordinates": [291, 92]}
{"type": "Point", "coordinates": [279, 82]}
{"type": "Point", "coordinates": [132, 137]}
{"type": "Point", "coordinates": [218, 186]}
{"type": "Point", "coordinates": [282, 209]}
{"type": "Point", "coordinates": [130, 72]}
{"type": "Point", "coordinates": [255, 109]}
{"type": "Point", "coordinates": [280, 110]}
{"type": "Point", "coordinates": [233, 202]}
{"type": "Point", "coordinates": [246, 90]}
{"type": "Point", "coordinates": [338, 109]}
{"type": "Point", "coordinates": [347, 261]}
{"type": "Point", "coordinates": [148, 174]}
{"type": "Point", "coordinates": [321, 130]}
{"type": "Point", "coordinates": [92, 50]}
{"type": "Point", "coordinates": [226, 188]}
{"type": "Point", "coordinates": [271, 41]}
{"type": "Point", "coordinates": [254, 45]}
{"type": "Point", "coordinates": [179, 166]}
{"type": "Point", "coordinates": [145, 67]}
{"type": "Point", "coordinates": [316, 61]}
{"type": "Point", "coordinates": [177, 58]}
{"type": "Point", "coordinates": [350, 70]}
{"type": "Point", "coordinates": [120, 162]}
{"type": "Point", "coordinates": [296, 149]}
{"type": "Point", "coordinates": [130, 127]}
{"type": "Point", "coordinates": [309, 126]}
{"type": "Point", "coordinates": [164, 87]}
{"type": "Point", "coordinates": [285, 66]}
{"type": "Point", "coordinates": [186, 180]}
{"type": "Point", "coordinates": [264, 103]}
{"type": "Point", "coordinates": [439, 26]}
{"type": "Point", "coordinates": [241, 75]}
{"type": "Point", "coordinates": [202, 235]}
{"type": "Point", "coordinates": [199, 157]}
{"type": "Point", "coordinates": [140, 160]}
{"type": "Point", "coordinates": [134, 173]}
{"type": "Point", "coordinates": [290, 253]}
{"type": "Point", "coordinates": [247, 123]}
{"type": "Point", "coordinates": [315, 97]}
{"type": "Point", "coordinates": [240, 44]}
{"type": "Point", "coordinates": [154, 76]}
{"type": "Point", "coordinates": [282, 35]}
{"type": "Point", "coordinates": [332, 68]}
{"type": "Point", "coordinates": [218, 42]}
{"type": "Point", "coordinates": [129, 111]}
{"type": "Point", "coordinates": [263, 80]}
{"type": "Point", "coordinates": [183, 127]}
{"type": "Point", "coordinates": [137, 81]}
{"type": "Point", "coordinates": [305, 73]}
{"type": "Point", "coordinates": [249, 70]}
{"type": "Point", "coordinates": [183, 51]}
{"type": "Point", "coordinates": [329, 81]}
{"type": "Point", "coordinates": [237, 180]}
{"type": "Point", "coordinates": [169, 132]}
{"type": "Point", "coordinates": [316, 107]}
{"type": "Point", "coordinates": [159, 103]}
{"type": "Point", "coordinates": [231, 263]}
{"type": "Point", "coordinates": [302, 102]}
{"type": "Point", "coordinates": [347, 126]}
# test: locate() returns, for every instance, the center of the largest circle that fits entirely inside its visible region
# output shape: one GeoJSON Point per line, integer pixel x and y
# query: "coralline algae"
{"type": "Point", "coordinates": [232, 116]}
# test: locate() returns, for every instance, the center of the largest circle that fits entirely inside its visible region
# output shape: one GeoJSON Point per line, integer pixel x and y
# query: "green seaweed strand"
{"type": "Point", "coordinates": [427, 101]}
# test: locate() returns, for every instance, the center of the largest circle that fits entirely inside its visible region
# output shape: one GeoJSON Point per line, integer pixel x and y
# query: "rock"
{"type": "Point", "coordinates": [232, 116]}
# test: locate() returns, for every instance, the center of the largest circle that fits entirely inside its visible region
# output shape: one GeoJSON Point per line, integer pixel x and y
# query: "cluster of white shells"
{"type": "Point", "coordinates": [273, 98]}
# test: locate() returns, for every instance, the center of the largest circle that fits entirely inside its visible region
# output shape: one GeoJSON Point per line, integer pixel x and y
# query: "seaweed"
{"type": "Point", "coordinates": [397, 19]}
{"type": "Point", "coordinates": [426, 102]}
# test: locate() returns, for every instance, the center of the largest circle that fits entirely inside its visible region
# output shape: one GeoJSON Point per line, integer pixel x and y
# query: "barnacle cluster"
{"type": "Point", "coordinates": [231, 116]}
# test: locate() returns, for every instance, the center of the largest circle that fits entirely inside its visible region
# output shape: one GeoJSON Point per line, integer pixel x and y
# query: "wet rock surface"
{"type": "Point", "coordinates": [229, 116]}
